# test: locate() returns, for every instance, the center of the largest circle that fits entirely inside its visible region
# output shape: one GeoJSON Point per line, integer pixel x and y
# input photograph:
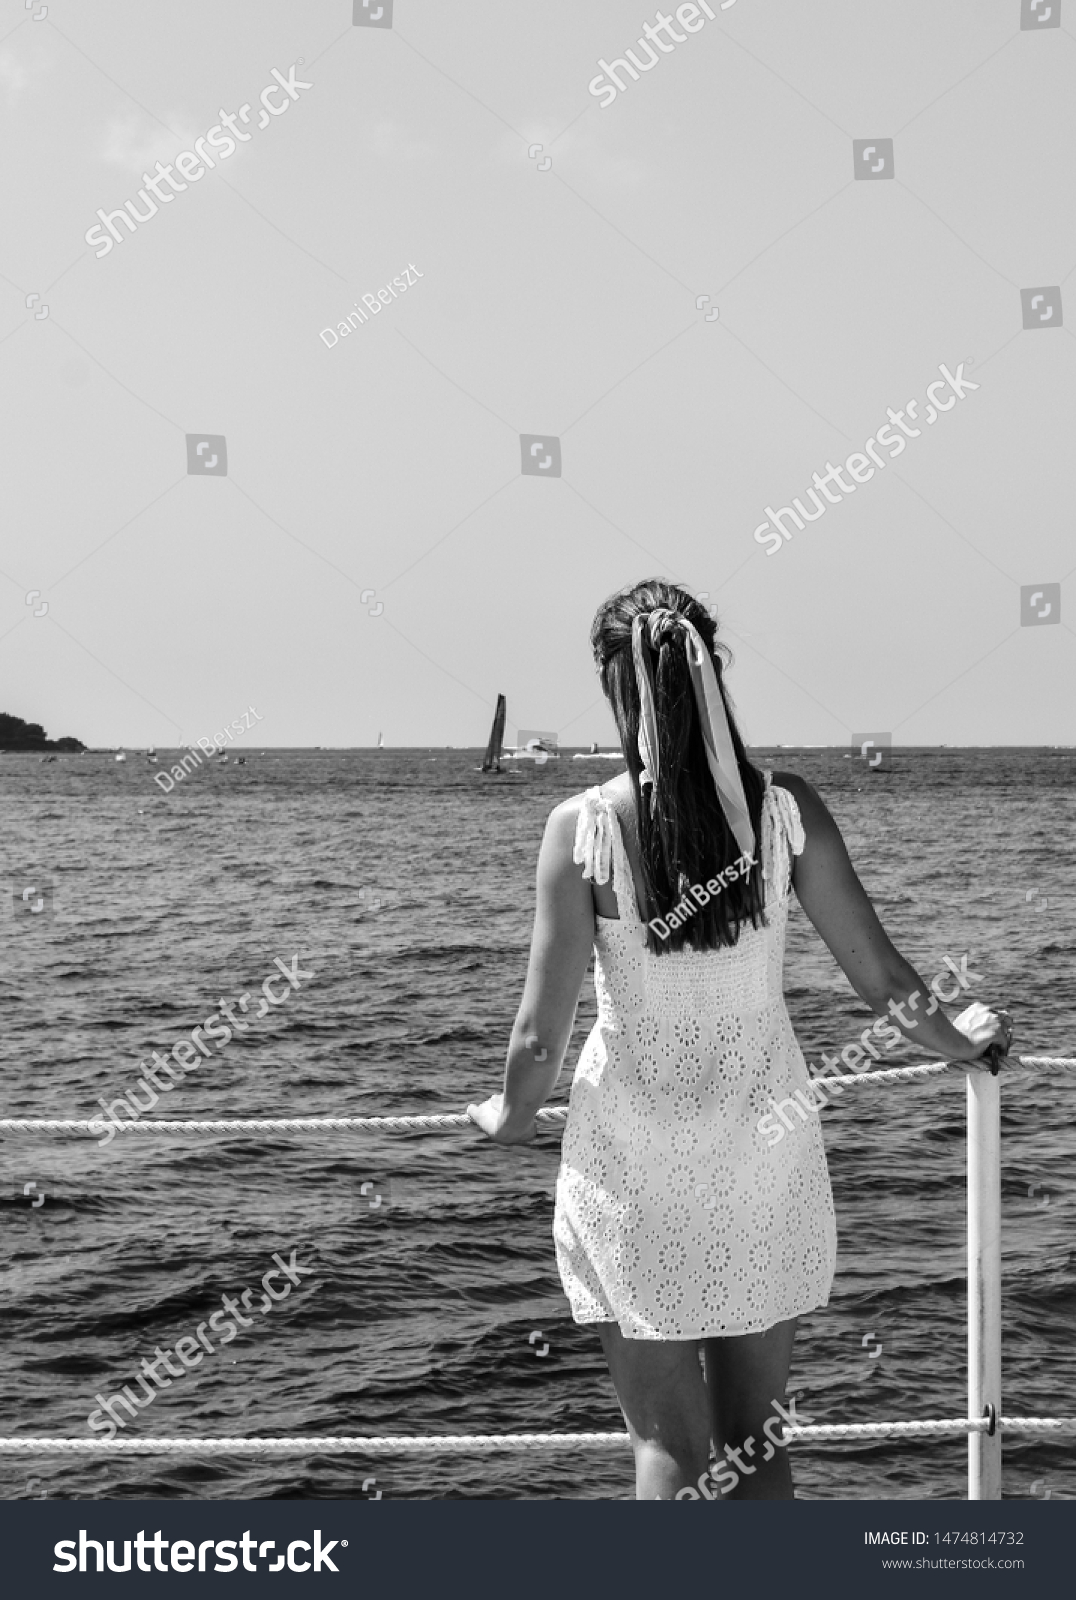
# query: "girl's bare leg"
{"type": "Point", "coordinates": [745, 1375]}
{"type": "Point", "coordinates": [662, 1394]}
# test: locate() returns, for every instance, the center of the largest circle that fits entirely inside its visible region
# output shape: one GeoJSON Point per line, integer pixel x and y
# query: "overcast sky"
{"type": "Point", "coordinates": [374, 558]}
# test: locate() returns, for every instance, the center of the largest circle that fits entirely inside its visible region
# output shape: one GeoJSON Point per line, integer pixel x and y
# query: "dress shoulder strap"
{"type": "Point", "coordinates": [782, 837]}
{"type": "Point", "coordinates": [594, 837]}
{"type": "Point", "coordinates": [599, 847]}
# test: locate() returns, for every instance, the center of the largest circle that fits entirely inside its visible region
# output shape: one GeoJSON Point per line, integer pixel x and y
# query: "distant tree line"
{"type": "Point", "coordinates": [15, 734]}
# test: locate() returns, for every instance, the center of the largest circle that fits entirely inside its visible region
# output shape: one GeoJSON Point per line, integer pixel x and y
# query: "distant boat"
{"type": "Point", "coordinates": [381, 741]}
{"type": "Point", "coordinates": [121, 756]}
{"type": "Point", "coordinates": [536, 747]}
{"type": "Point", "coordinates": [491, 761]}
{"type": "Point", "coordinates": [240, 761]}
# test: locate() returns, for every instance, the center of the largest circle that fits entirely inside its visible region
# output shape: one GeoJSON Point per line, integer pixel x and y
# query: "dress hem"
{"type": "Point", "coordinates": [713, 1333]}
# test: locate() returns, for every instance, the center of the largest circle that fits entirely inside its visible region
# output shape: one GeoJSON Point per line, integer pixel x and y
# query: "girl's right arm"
{"type": "Point", "coordinates": [841, 910]}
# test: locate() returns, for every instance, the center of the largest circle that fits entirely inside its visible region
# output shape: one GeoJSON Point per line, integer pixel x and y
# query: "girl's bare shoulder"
{"type": "Point", "coordinates": [564, 817]}
{"type": "Point", "coordinates": [802, 792]}
{"type": "Point", "coordinates": [814, 813]}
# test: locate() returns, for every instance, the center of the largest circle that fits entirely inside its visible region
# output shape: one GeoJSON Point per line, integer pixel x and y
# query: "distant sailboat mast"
{"type": "Point", "coordinates": [492, 759]}
{"type": "Point", "coordinates": [381, 741]}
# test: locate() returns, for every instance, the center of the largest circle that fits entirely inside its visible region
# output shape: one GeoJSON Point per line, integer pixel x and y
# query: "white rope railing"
{"type": "Point", "coordinates": [930, 1069]}
{"type": "Point", "coordinates": [463, 1443]}
{"type": "Point", "coordinates": [985, 1428]}
{"type": "Point", "coordinates": [445, 1119]}
{"type": "Point", "coordinates": [460, 1119]}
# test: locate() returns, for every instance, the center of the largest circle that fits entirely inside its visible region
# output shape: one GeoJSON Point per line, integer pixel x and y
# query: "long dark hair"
{"type": "Point", "coordinates": [684, 836]}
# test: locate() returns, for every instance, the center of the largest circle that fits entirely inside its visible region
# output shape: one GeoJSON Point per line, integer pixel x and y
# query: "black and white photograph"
{"type": "Point", "coordinates": [660, 424]}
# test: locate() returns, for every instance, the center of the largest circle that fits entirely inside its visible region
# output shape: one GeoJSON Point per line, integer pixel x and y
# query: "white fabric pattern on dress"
{"type": "Point", "coordinates": [675, 1218]}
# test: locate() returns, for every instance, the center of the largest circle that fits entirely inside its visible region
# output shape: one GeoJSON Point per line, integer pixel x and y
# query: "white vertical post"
{"type": "Point", "coordinates": [984, 1280]}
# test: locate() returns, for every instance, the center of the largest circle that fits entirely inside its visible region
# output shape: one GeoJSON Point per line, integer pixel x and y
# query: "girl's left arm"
{"type": "Point", "coordinates": [560, 950]}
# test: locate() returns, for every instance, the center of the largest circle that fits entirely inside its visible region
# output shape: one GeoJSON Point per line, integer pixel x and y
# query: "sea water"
{"type": "Point", "coordinates": [406, 881]}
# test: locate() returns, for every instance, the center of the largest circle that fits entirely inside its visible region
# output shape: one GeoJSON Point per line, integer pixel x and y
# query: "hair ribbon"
{"type": "Point", "coordinates": [713, 720]}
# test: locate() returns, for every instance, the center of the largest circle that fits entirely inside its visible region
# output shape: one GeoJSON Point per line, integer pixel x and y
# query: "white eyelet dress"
{"type": "Point", "coordinates": [675, 1217]}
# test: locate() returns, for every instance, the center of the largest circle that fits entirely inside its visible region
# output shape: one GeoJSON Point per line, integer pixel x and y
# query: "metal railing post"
{"type": "Point", "coordinates": [984, 1281]}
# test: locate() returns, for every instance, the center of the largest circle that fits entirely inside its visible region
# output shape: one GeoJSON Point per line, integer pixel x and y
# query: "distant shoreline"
{"type": "Point", "coordinates": [19, 736]}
